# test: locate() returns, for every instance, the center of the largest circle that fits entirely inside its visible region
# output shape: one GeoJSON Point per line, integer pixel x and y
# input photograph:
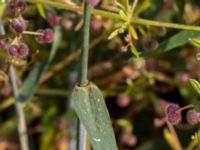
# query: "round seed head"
{"type": "Point", "coordinates": [96, 24]}
{"type": "Point", "coordinates": [93, 2]}
{"type": "Point", "coordinates": [53, 20]}
{"type": "Point", "coordinates": [21, 5]}
{"type": "Point", "coordinates": [48, 35]}
{"type": "Point", "coordinates": [123, 100]}
{"type": "Point", "coordinates": [40, 38]}
{"type": "Point", "coordinates": [192, 117]}
{"type": "Point", "coordinates": [13, 50]}
{"type": "Point", "coordinates": [23, 50]}
{"type": "Point", "coordinates": [173, 116]}
{"type": "Point", "coordinates": [153, 44]}
{"type": "Point", "coordinates": [18, 25]}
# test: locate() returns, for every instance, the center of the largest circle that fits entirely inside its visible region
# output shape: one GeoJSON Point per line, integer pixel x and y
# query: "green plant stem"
{"type": "Point", "coordinates": [21, 124]}
{"type": "Point", "coordinates": [85, 46]}
{"type": "Point", "coordinates": [115, 16]}
{"type": "Point", "coordinates": [132, 9]}
{"type": "Point", "coordinates": [81, 140]}
{"type": "Point", "coordinates": [172, 130]}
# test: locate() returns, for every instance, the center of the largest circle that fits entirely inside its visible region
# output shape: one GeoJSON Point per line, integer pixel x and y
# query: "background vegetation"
{"type": "Point", "coordinates": [135, 89]}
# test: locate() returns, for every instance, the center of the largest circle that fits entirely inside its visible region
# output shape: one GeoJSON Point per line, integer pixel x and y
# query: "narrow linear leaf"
{"type": "Point", "coordinates": [173, 42]}
{"type": "Point", "coordinates": [41, 10]}
{"type": "Point", "coordinates": [2, 8]}
{"type": "Point", "coordinates": [195, 42]}
{"type": "Point", "coordinates": [119, 5]}
{"type": "Point", "coordinates": [122, 15]}
{"type": "Point", "coordinates": [143, 6]}
{"type": "Point", "coordinates": [196, 85]}
{"type": "Point", "coordinates": [31, 83]}
{"type": "Point", "coordinates": [133, 32]}
{"type": "Point", "coordinates": [134, 51]}
{"type": "Point", "coordinates": [113, 34]}
{"type": "Point", "coordinates": [127, 5]}
{"type": "Point", "coordinates": [171, 140]}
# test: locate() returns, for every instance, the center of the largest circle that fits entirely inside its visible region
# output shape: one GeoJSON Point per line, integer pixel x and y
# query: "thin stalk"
{"type": "Point", "coordinates": [32, 33]}
{"type": "Point", "coordinates": [115, 16]}
{"type": "Point", "coordinates": [172, 130]}
{"type": "Point", "coordinates": [85, 46]}
{"type": "Point", "coordinates": [21, 124]}
{"type": "Point", "coordinates": [132, 10]}
{"type": "Point", "coordinates": [185, 107]}
{"type": "Point", "coordinates": [81, 144]}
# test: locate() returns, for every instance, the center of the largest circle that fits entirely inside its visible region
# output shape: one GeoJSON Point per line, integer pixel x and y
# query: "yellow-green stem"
{"type": "Point", "coordinates": [115, 16]}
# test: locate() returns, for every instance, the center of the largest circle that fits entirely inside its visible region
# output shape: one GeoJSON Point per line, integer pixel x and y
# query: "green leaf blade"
{"type": "Point", "coordinates": [196, 85]}
{"type": "Point", "coordinates": [173, 42]}
{"type": "Point", "coordinates": [91, 109]}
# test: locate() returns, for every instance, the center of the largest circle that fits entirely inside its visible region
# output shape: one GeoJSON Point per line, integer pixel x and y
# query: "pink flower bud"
{"type": "Point", "coordinates": [93, 3]}
{"type": "Point", "coordinates": [192, 117]}
{"type": "Point", "coordinates": [123, 100]}
{"type": "Point", "coordinates": [173, 116]}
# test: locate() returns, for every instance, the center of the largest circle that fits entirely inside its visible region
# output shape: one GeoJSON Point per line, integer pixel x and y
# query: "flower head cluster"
{"type": "Point", "coordinates": [173, 116]}
{"type": "Point", "coordinates": [173, 112]}
{"type": "Point", "coordinates": [46, 36]}
{"type": "Point", "coordinates": [15, 9]}
{"type": "Point", "coordinates": [53, 20]}
{"type": "Point", "coordinates": [20, 50]}
{"type": "Point", "coordinates": [15, 47]}
{"type": "Point", "coordinates": [18, 25]}
{"type": "Point", "coordinates": [192, 117]}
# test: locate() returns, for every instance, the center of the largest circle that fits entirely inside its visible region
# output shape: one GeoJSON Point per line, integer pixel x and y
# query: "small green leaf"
{"type": "Point", "coordinates": [173, 42]}
{"type": "Point", "coordinates": [134, 51]}
{"type": "Point", "coordinates": [113, 34]}
{"type": "Point", "coordinates": [127, 5]}
{"type": "Point", "coordinates": [2, 8]}
{"type": "Point", "coordinates": [142, 7]}
{"type": "Point", "coordinates": [133, 32]}
{"type": "Point", "coordinates": [122, 15]}
{"type": "Point", "coordinates": [195, 42]}
{"type": "Point", "coordinates": [195, 84]}
{"type": "Point", "coordinates": [119, 5]}
{"type": "Point", "coordinates": [41, 10]}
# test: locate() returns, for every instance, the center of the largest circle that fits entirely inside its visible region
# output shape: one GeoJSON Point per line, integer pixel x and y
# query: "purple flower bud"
{"type": "Point", "coordinates": [23, 50]}
{"type": "Point", "coordinates": [40, 38]}
{"type": "Point", "coordinates": [93, 2]}
{"type": "Point", "coordinates": [21, 5]}
{"type": "Point", "coordinates": [192, 117]}
{"type": "Point", "coordinates": [18, 25]}
{"type": "Point", "coordinates": [2, 43]}
{"type": "Point", "coordinates": [151, 44]}
{"type": "Point", "coordinates": [53, 20]}
{"type": "Point", "coordinates": [48, 35]}
{"type": "Point", "coordinates": [13, 50]}
{"type": "Point", "coordinates": [173, 116]}
{"type": "Point", "coordinates": [123, 100]}
{"type": "Point", "coordinates": [96, 25]}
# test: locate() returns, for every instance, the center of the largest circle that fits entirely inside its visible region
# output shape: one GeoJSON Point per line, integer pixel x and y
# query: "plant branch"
{"type": "Point", "coordinates": [115, 16]}
{"type": "Point", "coordinates": [21, 125]}
{"type": "Point", "coordinates": [81, 141]}
{"type": "Point", "coordinates": [18, 105]}
{"type": "Point", "coordinates": [85, 46]}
